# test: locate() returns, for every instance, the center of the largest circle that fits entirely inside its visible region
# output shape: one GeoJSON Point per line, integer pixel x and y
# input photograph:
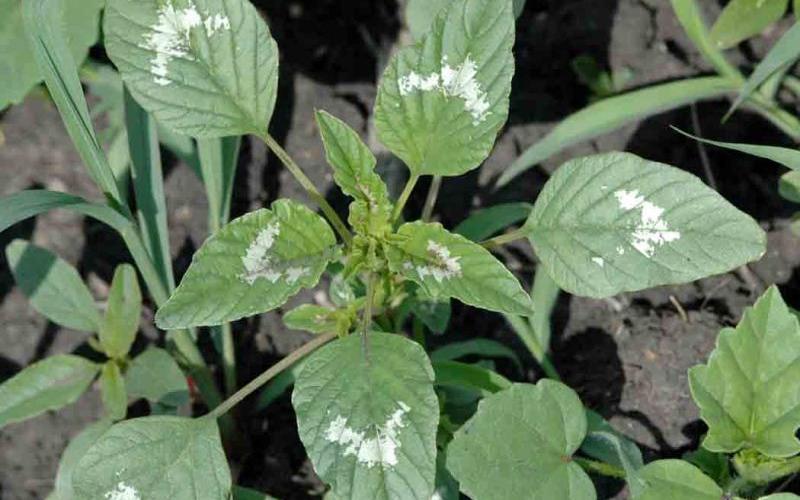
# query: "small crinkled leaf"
{"type": "Point", "coordinates": [155, 376]}
{"type": "Point", "coordinates": [205, 68]}
{"type": "Point", "coordinates": [352, 161]}
{"type": "Point", "coordinates": [672, 479]}
{"type": "Point", "coordinates": [743, 19]}
{"type": "Point", "coordinates": [442, 101]}
{"type": "Point", "coordinates": [614, 222]}
{"type": "Point", "coordinates": [123, 313]}
{"type": "Point", "coordinates": [789, 186]}
{"type": "Point", "coordinates": [368, 419]}
{"type": "Point", "coordinates": [250, 266]}
{"type": "Point", "coordinates": [112, 390]}
{"type": "Point", "coordinates": [448, 265]}
{"type": "Point", "coordinates": [72, 455]}
{"type": "Point", "coordinates": [747, 391]}
{"type": "Point", "coordinates": [53, 286]}
{"type": "Point", "coordinates": [155, 457]}
{"type": "Point", "coordinates": [311, 318]}
{"type": "Point", "coordinates": [519, 444]}
{"type": "Point", "coordinates": [45, 385]}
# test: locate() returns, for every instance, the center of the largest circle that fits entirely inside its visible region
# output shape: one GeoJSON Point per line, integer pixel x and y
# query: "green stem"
{"type": "Point", "coordinates": [793, 84]}
{"type": "Point", "coordinates": [228, 358]}
{"type": "Point", "coordinates": [503, 239]}
{"type": "Point", "coordinates": [430, 200]}
{"type": "Point", "coordinates": [312, 191]}
{"type": "Point", "coordinates": [601, 468]}
{"type": "Point", "coordinates": [403, 199]}
{"type": "Point", "coordinates": [270, 373]}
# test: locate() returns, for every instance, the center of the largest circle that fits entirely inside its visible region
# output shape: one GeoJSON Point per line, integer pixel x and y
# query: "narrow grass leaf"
{"type": "Point", "coordinates": [544, 294]}
{"type": "Point", "coordinates": [788, 157]}
{"type": "Point", "coordinates": [743, 19]}
{"type": "Point", "coordinates": [485, 348]}
{"type": "Point", "coordinates": [218, 161]}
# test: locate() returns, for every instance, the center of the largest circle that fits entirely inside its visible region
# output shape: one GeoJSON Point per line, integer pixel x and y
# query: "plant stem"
{"type": "Point", "coordinates": [430, 200]}
{"type": "Point", "coordinates": [312, 191]}
{"type": "Point", "coordinates": [601, 468]}
{"type": "Point", "coordinates": [228, 358]}
{"type": "Point", "coordinates": [270, 373]}
{"type": "Point", "coordinates": [503, 239]}
{"type": "Point", "coordinates": [793, 84]}
{"type": "Point", "coordinates": [403, 199]}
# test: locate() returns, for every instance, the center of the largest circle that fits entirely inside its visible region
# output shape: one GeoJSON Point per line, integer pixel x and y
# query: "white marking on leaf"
{"type": "Point", "coordinates": [295, 273]}
{"type": "Point", "coordinates": [621, 250]}
{"type": "Point", "coordinates": [451, 81]}
{"type": "Point", "coordinates": [122, 492]}
{"type": "Point", "coordinates": [215, 23]}
{"type": "Point", "coordinates": [652, 231]}
{"type": "Point", "coordinates": [257, 261]}
{"type": "Point", "coordinates": [444, 267]}
{"type": "Point", "coordinates": [599, 261]}
{"type": "Point", "coordinates": [378, 449]}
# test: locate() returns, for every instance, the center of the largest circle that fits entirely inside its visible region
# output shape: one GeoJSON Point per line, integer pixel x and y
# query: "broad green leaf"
{"type": "Point", "coordinates": [441, 102]}
{"type": "Point", "coordinates": [123, 313]}
{"type": "Point", "coordinates": [604, 443]}
{"type": "Point", "coordinates": [785, 52]}
{"type": "Point", "coordinates": [714, 465]}
{"type": "Point", "coordinates": [45, 385]}
{"type": "Point", "coordinates": [747, 391]}
{"type": "Point", "coordinates": [312, 318]}
{"type": "Point", "coordinates": [487, 222]}
{"type": "Point", "coordinates": [112, 390]}
{"type": "Point", "coordinates": [434, 313]}
{"type": "Point", "coordinates": [788, 157]}
{"type": "Point", "coordinates": [53, 286]}
{"type": "Point", "coordinates": [612, 113]}
{"type": "Point", "coordinates": [789, 186]}
{"type": "Point", "coordinates": [743, 19]}
{"type": "Point", "coordinates": [81, 19]}
{"type": "Point", "coordinates": [421, 13]}
{"type": "Point", "coordinates": [155, 457]}
{"type": "Point", "coordinates": [472, 377]}
{"type": "Point", "coordinates": [155, 376]}
{"type": "Point", "coordinates": [205, 68]}
{"type": "Point", "coordinates": [352, 161]}
{"type": "Point", "coordinates": [73, 454]}
{"type": "Point", "coordinates": [368, 418]}
{"type": "Point", "coordinates": [242, 493]}
{"type": "Point", "coordinates": [519, 444]}
{"type": "Point", "coordinates": [486, 348]}
{"type": "Point", "coordinates": [614, 222]}
{"type": "Point", "coordinates": [671, 479]}
{"type": "Point", "coordinates": [448, 265]}
{"type": "Point", "coordinates": [250, 266]}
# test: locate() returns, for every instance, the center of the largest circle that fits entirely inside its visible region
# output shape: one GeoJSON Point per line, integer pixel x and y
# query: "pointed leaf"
{"type": "Point", "coordinates": [615, 222]}
{"type": "Point", "coordinates": [368, 418]}
{"type": "Point", "coordinates": [206, 68]}
{"type": "Point", "coordinates": [155, 457]}
{"type": "Point", "coordinates": [519, 444]}
{"type": "Point", "coordinates": [743, 19]}
{"type": "Point", "coordinates": [45, 385]}
{"type": "Point", "coordinates": [112, 390]}
{"type": "Point", "coordinates": [252, 265]}
{"type": "Point", "coordinates": [788, 157]}
{"type": "Point", "coordinates": [485, 348]}
{"type": "Point", "coordinates": [155, 376]}
{"type": "Point", "coordinates": [604, 443]}
{"type": "Point", "coordinates": [747, 391]}
{"type": "Point", "coordinates": [53, 286]}
{"type": "Point", "coordinates": [448, 265]}
{"type": "Point", "coordinates": [123, 313]}
{"type": "Point", "coordinates": [789, 186]}
{"type": "Point", "coordinates": [442, 101]}
{"type": "Point", "coordinates": [434, 313]}
{"type": "Point", "coordinates": [670, 479]}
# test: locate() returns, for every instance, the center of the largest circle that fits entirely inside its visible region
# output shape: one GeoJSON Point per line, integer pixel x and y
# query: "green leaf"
{"type": "Point", "coordinates": [519, 445]}
{"type": "Point", "coordinates": [19, 206]}
{"type": "Point", "coordinates": [218, 162]}
{"type": "Point", "coordinates": [788, 157]}
{"type": "Point", "coordinates": [448, 265]}
{"type": "Point", "coordinates": [487, 222]}
{"type": "Point", "coordinates": [670, 479]}
{"type": "Point", "coordinates": [780, 496]}
{"type": "Point", "coordinates": [747, 390]}
{"type": "Point", "coordinates": [544, 294]}
{"type": "Point", "coordinates": [73, 454]}
{"type": "Point", "coordinates": [789, 186]}
{"type": "Point", "coordinates": [311, 318]}
{"type": "Point", "coordinates": [441, 102]}
{"type": "Point", "coordinates": [486, 348]}
{"type": "Point", "coordinates": [472, 377]}
{"type": "Point", "coordinates": [612, 113]}
{"type": "Point", "coordinates": [785, 52]}
{"type": "Point", "coordinates": [714, 465]}
{"type": "Point", "coordinates": [123, 313]}
{"type": "Point", "coordinates": [421, 13]}
{"type": "Point", "coordinates": [18, 66]}
{"type": "Point", "coordinates": [368, 419]}
{"type": "Point", "coordinates": [242, 493]}
{"type": "Point", "coordinates": [743, 19]}
{"type": "Point", "coordinates": [250, 266]}
{"type": "Point", "coordinates": [155, 457]}
{"type": "Point", "coordinates": [352, 161]}
{"type": "Point", "coordinates": [155, 376]}
{"type": "Point", "coordinates": [615, 222]}
{"type": "Point", "coordinates": [112, 390]}
{"type": "Point", "coordinates": [45, 385]}
{"type": "Point", "coordinates": [53, 286]}
{"type": "Point", "coordinates": [604, 443]}
{"type": "Point", "coordinates": [434, 313]}
{"type": "Point", "coordinates": [205, 68]}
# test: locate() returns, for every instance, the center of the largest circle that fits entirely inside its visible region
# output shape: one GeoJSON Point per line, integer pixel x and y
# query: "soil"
{"type": "Point", "coordinates": [627, 356]}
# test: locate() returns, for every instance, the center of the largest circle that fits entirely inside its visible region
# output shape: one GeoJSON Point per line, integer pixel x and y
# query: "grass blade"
{"type": "Point", "coordinates": [789, 158]}
{"type": "Point", "coordinates": [218, 160]}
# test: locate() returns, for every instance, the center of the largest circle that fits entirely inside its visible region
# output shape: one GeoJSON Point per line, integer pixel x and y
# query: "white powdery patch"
{"type": "Point", "coordinates": [445, 267]}
{"type": "Point", "coordinates": [456, 81]}
{"type": "Point", "coordinates": [599, 261]}
{"type": "Point", "coordinates": [257, 261]}
{"type": "Point", "coordinates": [122, 492]}
{"type": "Point", "coordinates": [378, 449]}
{"type": "Point", "coordinates": [652, 230]}
{"type": "Point", "coordinates": [295, 273]}
{"type": "Point", "coordinates": [170, 37]}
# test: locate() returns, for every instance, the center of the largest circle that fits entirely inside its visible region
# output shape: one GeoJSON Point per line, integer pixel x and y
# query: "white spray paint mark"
{"type": "Point", "coordinates": [445, 266]}
{"type": "Point", "coordinates": [215, 23]}
{"type": "Point", "coordinates": [295, 273]}
{"type": "Point", "coordinates": [652, 231]}
{"type": "Point", "coordinates": [599, 261]}
{"type": "Point", "coordinates": [436, 496]}
{"type": "Point", "coordinates": [122, 492]}
{"type": "Point", "coordinates": [378, 449]}
{"type": "Point", "coordinates": [257, 261]}
{"type": "Point", "coordinates": [456, 81]}
{"type": "Point", "coordinates": [621, 250]}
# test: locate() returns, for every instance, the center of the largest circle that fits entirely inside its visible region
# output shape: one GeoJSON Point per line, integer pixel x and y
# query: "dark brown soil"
{"type": "Point", "coordinates": [626, 356]}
